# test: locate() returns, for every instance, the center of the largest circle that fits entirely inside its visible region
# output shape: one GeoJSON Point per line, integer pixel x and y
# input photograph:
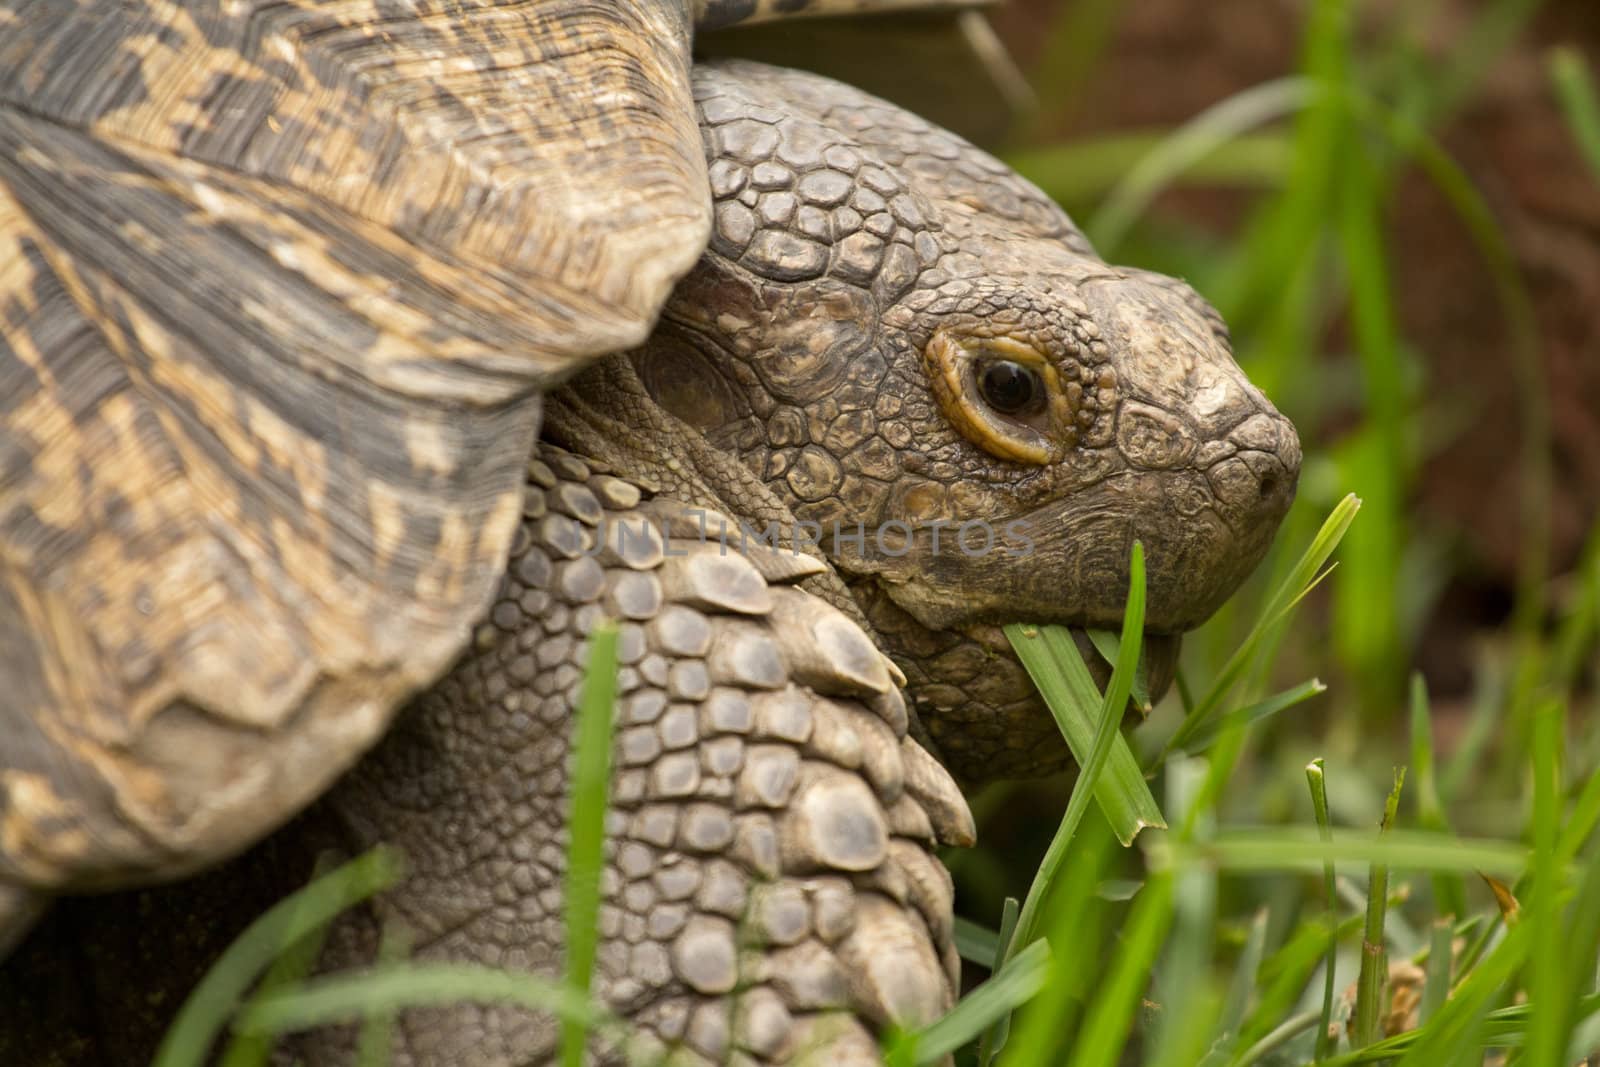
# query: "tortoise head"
{"type": "Point", "coordinates": [923, 358]}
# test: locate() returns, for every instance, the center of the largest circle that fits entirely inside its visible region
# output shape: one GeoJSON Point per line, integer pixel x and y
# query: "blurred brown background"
{"type": "Point", "coordinates": [1164, 61]}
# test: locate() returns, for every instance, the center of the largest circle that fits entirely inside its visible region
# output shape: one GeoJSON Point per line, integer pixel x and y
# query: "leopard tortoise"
{"type": "Point", "coordinates": [335, 341]}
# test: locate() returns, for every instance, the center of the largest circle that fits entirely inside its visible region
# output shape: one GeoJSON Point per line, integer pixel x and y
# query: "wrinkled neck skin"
{"type": "Point", "coordinates": [831, 361]}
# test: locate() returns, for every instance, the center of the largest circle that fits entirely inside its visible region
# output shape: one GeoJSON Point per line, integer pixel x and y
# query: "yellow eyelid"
{"type": "Point", "coordinates": [949, 357]}
{"type": "Point", "coordinates": [1007, 348]}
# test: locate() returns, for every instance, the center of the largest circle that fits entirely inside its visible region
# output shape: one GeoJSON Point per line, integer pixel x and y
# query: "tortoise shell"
{"type": "Point", "coordinates": [281, 286]}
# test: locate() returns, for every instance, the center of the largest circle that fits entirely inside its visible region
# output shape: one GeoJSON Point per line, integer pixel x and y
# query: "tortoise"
{"type": "Point", "coordinates": [357, 359]}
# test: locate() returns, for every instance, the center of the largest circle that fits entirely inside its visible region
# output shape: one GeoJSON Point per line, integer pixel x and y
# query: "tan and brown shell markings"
{"type": "Point", "coordinates": [279, 287]}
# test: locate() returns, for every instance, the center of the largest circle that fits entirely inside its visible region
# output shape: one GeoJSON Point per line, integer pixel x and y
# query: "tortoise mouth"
{"type": "Point", "coordinates": [979, 711]}
{"type": "Point", "coordinates": [1158, 659]}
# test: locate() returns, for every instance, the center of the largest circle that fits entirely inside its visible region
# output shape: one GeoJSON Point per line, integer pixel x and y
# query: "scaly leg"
{"type": "Point", "coordinates": [769, 886]}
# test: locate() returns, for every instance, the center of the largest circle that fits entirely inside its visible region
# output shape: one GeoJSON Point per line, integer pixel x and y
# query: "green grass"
{"type": "Point", "coordinates": [591, 780]}
{"type": "Point", "coordinates": [1130, 800]}
{"type": "Point", "coordinates": [1242, 919]}
{"type": "Point", "coordinates": [273, 937]}
{"type": "Point", "coordinates": [1575, 88]}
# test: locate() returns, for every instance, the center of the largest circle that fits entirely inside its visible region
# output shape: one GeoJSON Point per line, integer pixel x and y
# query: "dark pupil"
{"type": "Point", "coordinates": [1010, 388]}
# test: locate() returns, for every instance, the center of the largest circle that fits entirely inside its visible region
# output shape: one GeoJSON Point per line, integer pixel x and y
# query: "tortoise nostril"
{"type": "Point", "coordinates": [1269, 485]}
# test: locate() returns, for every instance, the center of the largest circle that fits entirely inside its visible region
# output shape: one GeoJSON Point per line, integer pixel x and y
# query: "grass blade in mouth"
{"type": "Point", "coordinates": [1063, 679]}
{"type": "Point", "coordinates": [1053, 662]}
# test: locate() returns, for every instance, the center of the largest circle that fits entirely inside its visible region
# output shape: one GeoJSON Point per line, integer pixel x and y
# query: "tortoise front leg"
{"type": "Point", "coordinates": [770, 887]}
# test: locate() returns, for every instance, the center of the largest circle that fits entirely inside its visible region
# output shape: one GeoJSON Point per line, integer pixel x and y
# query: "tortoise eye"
{"type": "Point", "coordinates": [1011, 388]}
{"type": "Point", "coordinates": [1002, 394]}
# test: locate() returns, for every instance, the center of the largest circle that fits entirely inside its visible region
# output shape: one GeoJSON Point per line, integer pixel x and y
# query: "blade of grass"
{"type": "Point", "coordinates": [1575, 89]}
{"type": "Point", "coordinates": [1436, 983]}
{"type": "Point", "coordinates": [347, 997]}
{"type": "Point", "coordinates": [1110, 1014]}
{"type": "Point", "coordinates": [1487, 36]}
{"type": "Point", "coordinates": [1187, 1028]}
{"type": "Point", "coordinates": [1404, 72]}
{"type": "Point", "coordinates": [1287, 971]}
{"type": "Point", "coordinates": [1253, 714]}
{"type": "Point", "coordinates": [291, 966]}
{"type": "Point", "coordinates": [1078, 174]}
{"type": "Point", "coordinates": [1366, 610]}
{"type": "Point", "coordinates": [1080, 923]}
{"type": "Point", "coordinates": [1374, 976]}
{"type": "Point", "coordinates": [375, 1046]}
{"type": "Point", "coordinates": [1245, 972]}
{"type": "Point", "coordinates": [975, 942]}
{"type": "Point", "coordinates": [1580, 822]}
{"type": "Point", "coordinates": [1478, 942]}
{"type": "Point", "coordinates": [1008, 926]}
{"type": "Point", "coordinates": [1106, 643]}
{"type": "Point", "coordinates": [1275, 1039]}
{"type": "Point", "coordinates": [1295, 849]}
{"type": "Point", "coordinates": [985, 1006]}
{"type": "Point", "coordinates": [1200, 137]}
{"type": "Point", "coordinates": [1137, 808]}
{"type": "Point", "coordinates": [1502, 1028]}
{"type": "Point", "coordinates": [1481, 723]}
{"type": "Point", "coordinates": [591, 774]}
{"type": "Point", "coordinates": [1185, 696]}
{"type": "Point", "coordinates": [1581, 946]}
{"type": "Point", "coordinates": [1575, 635]}
{"type": "Point", "coordinates": [1184, 985]}
{"type": "Point", "coordinates": [1107, 734]}
{"type": "Point", "coordinates": [1397, 933]}
{"type": "Point", "coordinates": [1284, 237]}
{"type": "Point", "coordinates": [1284, 596]}
{"type": "Point", "coordinates": [1069, 692]}
{"type": "Point", "coordinates": [286, 923]}
{"type": "Point", "coordinates": [1550, 1027]}
{"type": "Point", "coordinates": [1073, 47]}
{"type": "Point", "coordinates": [1119, 889]}
{"type": "Point", "coordinates": [1310, 942]}
{"type": "Point", "coordinates": [1528, 376]}
{"type": "Point", "coordinates": [1219, 765]}
{"type": "Point", "coordinates": [994, 1038]}
{"type": "Point", "coordinates": [1316, 779]}
{"type": "Point", "coordinates": [1454, 1029]}
{"type": "Point", "coordinates": [1052, 660]}
{"type": "Point", "coordinates": [1449, 891]}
